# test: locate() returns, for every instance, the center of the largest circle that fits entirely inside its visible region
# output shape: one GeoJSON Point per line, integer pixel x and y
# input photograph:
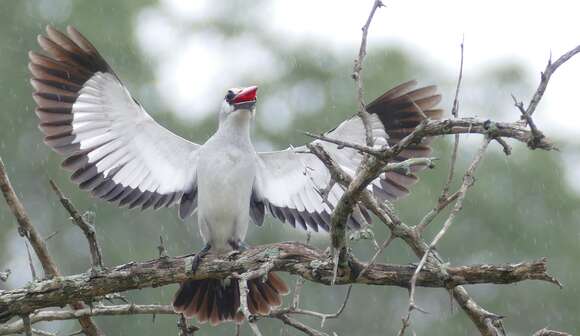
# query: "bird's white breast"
{"type": "Point", "coordinates": [225, 176]}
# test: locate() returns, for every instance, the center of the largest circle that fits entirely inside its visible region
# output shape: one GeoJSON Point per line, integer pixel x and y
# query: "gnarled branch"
{"type": "Point", "coordinates": [295, 258]}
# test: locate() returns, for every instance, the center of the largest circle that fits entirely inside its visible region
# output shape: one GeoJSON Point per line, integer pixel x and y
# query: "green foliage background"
{"type": "Point", "coordinates": [521, 207]}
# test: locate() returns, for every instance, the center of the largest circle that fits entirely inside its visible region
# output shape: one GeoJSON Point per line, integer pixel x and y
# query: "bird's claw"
{"type": "Point", "coordinates": [198, 257]}
{"type": "Point", "coordinates": [239, 245]}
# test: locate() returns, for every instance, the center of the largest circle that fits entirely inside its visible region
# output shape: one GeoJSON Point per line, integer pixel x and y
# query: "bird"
{"type": "Point", "coordinates": [116, 151]}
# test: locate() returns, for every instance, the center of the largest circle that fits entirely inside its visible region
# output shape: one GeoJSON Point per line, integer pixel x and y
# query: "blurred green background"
{"type": "Point", "coordinates": [522, 206]}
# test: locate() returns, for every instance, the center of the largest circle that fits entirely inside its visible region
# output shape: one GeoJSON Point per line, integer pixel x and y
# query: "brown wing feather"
{"type": "Point", "coordinates": [400, 110]}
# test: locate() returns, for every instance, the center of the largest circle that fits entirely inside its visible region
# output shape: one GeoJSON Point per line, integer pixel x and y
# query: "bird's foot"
{"type": "Point", "coordinates": [199, 256]}
{"type": "Point", "coordinates": [238, 245]}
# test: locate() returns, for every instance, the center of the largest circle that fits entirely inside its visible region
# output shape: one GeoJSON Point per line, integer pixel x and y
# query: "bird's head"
{"type": "Point", "coordinates": [239, 102]}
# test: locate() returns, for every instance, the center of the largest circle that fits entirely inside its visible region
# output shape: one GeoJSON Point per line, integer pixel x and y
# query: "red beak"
{"type": "Point", "coordinates": [246, 95]}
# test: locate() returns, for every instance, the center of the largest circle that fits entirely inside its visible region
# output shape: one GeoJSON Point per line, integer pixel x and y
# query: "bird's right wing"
{"type": "Point", "coordinates": [113, 147]}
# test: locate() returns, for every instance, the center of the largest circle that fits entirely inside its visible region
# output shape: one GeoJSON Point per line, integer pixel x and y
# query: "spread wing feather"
{"type": "Point", "coordinates": [290, 182]}
{"type": "Point", "coordinates": [112, 146]}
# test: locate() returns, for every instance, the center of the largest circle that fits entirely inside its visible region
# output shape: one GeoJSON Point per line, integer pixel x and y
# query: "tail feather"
{"type": "Point", "coordinates": [217, 300]}
{"type": "Point", "coordinates": [270, 294]}
{"type": "Point", "coordinates": [262, 305]}
{"type": "Point", "coordinates": [277, 284]}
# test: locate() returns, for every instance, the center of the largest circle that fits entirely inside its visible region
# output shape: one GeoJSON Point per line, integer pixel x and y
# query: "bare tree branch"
{"type": "Point", "coordinates": [547, 332]}
{"type": "Point", "coordinates": [483, 320]}
{"type": "Point", "coordinates": [183, 327]}
{"type": "Point", "coordinates": [58, 315]}
{"type": "Point", "coordinates": [299, 326]}
{"type": "Point", "coordinates": [295, 258]}
{"type": "Point", "coordinates": [260, 271]}
{"type": "Point", "coordinates": [30, 262]}
{"type": "Point", "coordinates": [25, 226]}
{"type": "Point", "coordinates": [466, 125]}
{"type": "Point", "coordinates": [357, 74]}
{"type": "Point", "coordinates": [451, 172]}
{"type": "Point", "coordinates": [87, 228]}
{"type": "Point", "coordinates": [545, 78]}
{"type": "Point", "coordinates": [307, 262]}
{"type": "Point", "coordinates": [346, 204]}
{"type": "Point", "coordinates": [468, 181]}
{"type": "Point", "coordinates": [299, 282]}
{"type": "Point", "coordinates": [535, 101]}
{"type": "Point", "coordinates": [29, 231]}
{"type": "Point", "coordinates": [42, 332]}
{"type": "Point", "coordinates": [322, 316]}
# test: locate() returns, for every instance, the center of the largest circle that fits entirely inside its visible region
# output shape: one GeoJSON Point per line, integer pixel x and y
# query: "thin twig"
{"type": "Point", "coordinates": [322, 316]}
{"type": "Point", "coordinates": [507, 149]}
{"type": "Point", "coordinates": [261, 271]}
{"type": "Point", "coordinates": [357, 75]}
{"type": "Point", "coordinates": [476, 313]}
{"type": "Point", "coordinates": [243, 284]}
{"type": "Point", "coordinates": [50, 236]}
{"type": "Point", "coordinates": [404, 167]}
{"type": "Point", "coordinates": [30, 262]}
{"type": "Point", "coordinates": [547, 332]}
{"type": "Point", "coordinates": [468, 181]}
{"type": "Point", "coordinates": [345, 205]}
{"type": "Point", "coordinates": [363, 149]}
{"type": "Point", "coordinates": [537, 135]}
{"type": "Point", "coordinates": [76, 333]}
{"type": "Point", "coordinates": [430, 216]}
{"type": "Point", "coordinates": [183, 327]}
{"type": "Point", "coordinates": [380, 250]}
{"type": "Point", "coordinates": [455, 114]}
{"type": "Point", "coordinates": [161, 248]}
{"type": "Point", "coordinates": [87, 228]}
{"type": "Point", "coordinates": [299, 281]}
{"type": "Point", "coordinates": [300, 326]}
{"type": "Point", "coordinates": [61, 315]}
{"type": "Point", "coordinates": [545, 78]}
{"type": "Point", "coordinates": [42, 332]}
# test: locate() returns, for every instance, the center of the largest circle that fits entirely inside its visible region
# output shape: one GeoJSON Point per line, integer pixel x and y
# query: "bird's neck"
{"type": "Point", "coordinates": [236, 127]}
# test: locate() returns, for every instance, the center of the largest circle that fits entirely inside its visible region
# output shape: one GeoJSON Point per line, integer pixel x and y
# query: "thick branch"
{"type": "Point", "coordinates": [466, 125]}
{"type": "Point", "coordinates": [296, 258]}
{"type": "Point", "coordinates": [26, 228]}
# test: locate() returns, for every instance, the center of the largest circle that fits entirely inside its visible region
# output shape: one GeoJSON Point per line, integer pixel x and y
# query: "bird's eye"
{"type": "Point", "coordinates": [230, 95]}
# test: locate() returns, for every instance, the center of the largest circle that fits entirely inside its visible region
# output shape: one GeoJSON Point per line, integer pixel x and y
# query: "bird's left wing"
{"type": "Point", "coordinates": [292, 184]}
{"type": "Point", "coordinates": [114, 148]}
